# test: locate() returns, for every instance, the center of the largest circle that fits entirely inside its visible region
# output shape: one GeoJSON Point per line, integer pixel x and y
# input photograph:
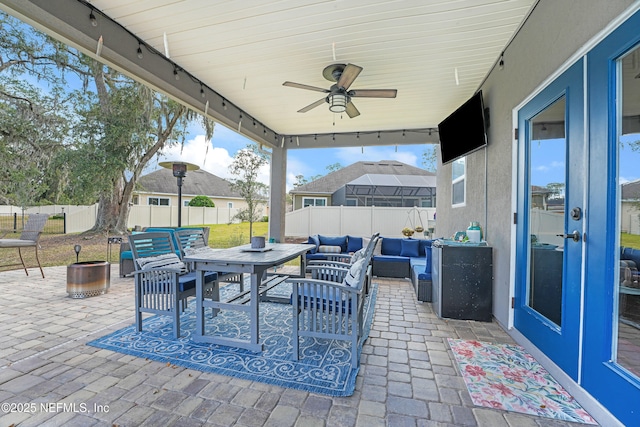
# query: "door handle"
{"type": "Point", "coordinates": [575, 236]}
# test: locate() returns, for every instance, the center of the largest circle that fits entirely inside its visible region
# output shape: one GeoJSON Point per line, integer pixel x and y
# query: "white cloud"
{"type": "Point", "coordinates": [215, 160]}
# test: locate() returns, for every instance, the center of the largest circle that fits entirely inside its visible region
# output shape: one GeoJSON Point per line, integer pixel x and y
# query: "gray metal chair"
{"type": "Point", "coordinates": [28, 238]}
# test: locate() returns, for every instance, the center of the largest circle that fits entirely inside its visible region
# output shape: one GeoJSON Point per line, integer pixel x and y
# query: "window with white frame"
{"type": "Point", "coordinates": [230, 205]}
{"type": "Point", "coordinates": [158, 201]}
{"type": "Point", "coordinates": [458, 175]}
{"type": "Point", "coordinates": [185, 202]}
{"type": "Point", "coordinates": [314, 201]}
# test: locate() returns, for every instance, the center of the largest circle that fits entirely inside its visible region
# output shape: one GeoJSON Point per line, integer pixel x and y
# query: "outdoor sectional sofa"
{"type": "Point", "coordinates": [392, 257]}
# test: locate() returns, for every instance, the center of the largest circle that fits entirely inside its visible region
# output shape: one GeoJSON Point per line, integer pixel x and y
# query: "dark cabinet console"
{"type": "Point", "coordinates": [462, 282]}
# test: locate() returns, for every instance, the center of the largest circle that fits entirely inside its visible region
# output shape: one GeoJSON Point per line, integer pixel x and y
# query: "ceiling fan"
{"type": "Point", "coordinates": [339, 96]}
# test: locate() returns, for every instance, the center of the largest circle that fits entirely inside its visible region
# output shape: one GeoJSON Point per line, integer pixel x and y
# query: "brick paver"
{"type": "Point", "coordinates": [407, 374]}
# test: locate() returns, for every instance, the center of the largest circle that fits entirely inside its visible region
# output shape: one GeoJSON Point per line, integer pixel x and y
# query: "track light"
{"type": "Point", "coordinates": [139, 52]}
{"type": "Point", "coordinates": [175, 74]}
{"type": "Point", "coordinates": [202, 95]}
{"type": "Point", "coordinates": [92, 18]}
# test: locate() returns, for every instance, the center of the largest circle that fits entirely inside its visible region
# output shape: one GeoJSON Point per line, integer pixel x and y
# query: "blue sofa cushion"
{"type": "Point", "coordinates": [391, 246]}
{"type": "Point", "coordinates": [314, 241]}
{"type": "Point", "coordinates": [354, 243]}
{"type": "Point", "coordinates": [390, 258]}
{"type": "Point", "coordinates": [317, 255]}
{"type": "Point", "coordinates": [334, 241]}
{"type": "Point", "coordinates": [409, 248]}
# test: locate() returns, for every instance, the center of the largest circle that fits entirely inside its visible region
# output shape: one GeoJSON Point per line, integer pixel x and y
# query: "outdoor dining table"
{"type": "Point", "coordinates": [240, 259]}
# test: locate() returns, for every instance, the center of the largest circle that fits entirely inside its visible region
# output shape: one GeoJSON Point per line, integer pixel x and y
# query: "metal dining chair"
{"type": "Point", "coordinates": [28, 238]}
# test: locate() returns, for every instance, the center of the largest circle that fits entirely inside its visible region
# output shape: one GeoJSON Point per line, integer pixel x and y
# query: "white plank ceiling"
{"type": "Point", "coordinates": [434, 52]}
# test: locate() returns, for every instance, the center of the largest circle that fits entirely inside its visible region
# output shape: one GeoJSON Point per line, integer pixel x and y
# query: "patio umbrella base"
{"type": "Point", "coordinates": [88, 278]}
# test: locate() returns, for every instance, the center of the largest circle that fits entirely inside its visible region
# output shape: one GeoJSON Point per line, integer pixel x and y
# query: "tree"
{"type": "Point", "coordinates": [334, 167]}
{"type": "Point", "coordinates": [202, 201]}
{"type": "Point", "coordinates": [245, 166]}
{"type": "Point", "coordinates": [430, 158]}
{"type": "Point", "coordinates": [33, 117]}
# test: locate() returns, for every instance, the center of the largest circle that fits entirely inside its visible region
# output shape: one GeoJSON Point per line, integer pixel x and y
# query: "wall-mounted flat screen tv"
{"type": "Point", "coordinates": [464, 131]}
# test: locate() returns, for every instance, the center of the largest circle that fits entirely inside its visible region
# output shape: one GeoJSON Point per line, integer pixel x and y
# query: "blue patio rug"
{"type": "Point", "coordinates": [324, 366]}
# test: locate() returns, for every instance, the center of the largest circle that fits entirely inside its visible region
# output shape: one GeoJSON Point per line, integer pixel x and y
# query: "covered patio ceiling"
{"type": "Point", "coordinates": [232, 57]}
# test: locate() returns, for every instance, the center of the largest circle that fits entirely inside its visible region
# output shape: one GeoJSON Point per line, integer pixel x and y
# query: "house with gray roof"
{"type": "Point", "coordinates": [366, 183]}
{"type": "Point", "coordinates": [161, 188]}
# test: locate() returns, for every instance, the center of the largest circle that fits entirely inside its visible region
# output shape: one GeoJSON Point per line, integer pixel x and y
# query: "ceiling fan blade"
{"type": "Point", "coordinates": [373, 93]}
{"type": "Point", "coordinates": [352, 111]}
{"type": "Point", "coordinates": [312, 106]}
{"type": "Point", "coordinates": [349, 74]}
{"type": "Point", "coordinates": [301, 86]}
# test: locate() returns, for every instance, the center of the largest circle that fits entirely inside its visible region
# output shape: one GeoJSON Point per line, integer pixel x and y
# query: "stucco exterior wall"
{"type": "Point", "coordinates": [553, 33]}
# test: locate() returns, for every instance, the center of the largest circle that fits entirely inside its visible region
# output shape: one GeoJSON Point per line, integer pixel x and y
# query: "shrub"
{"type": "Point", "coordinates": [202, 201]}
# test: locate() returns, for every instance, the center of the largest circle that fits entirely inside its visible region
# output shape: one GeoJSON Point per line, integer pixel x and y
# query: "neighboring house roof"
{"type": "Point", "coordinates": [631, 190]}
{"type": "Point", "coordinates": [382, 180]}
{"type": "Point", "coordinates": [196, 183]}
{"type": "Point", "coordinates": [331, 182]}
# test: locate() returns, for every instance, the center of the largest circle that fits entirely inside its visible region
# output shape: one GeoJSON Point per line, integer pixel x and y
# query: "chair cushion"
{"type": "Point", "coordinates": [161, 261]}
{"type": "Point", "coordinates": [126, 255]}
{"type": "Point", "coordinates": [187, 281]}
{"type": "Point", "coordinates": [328, 249]}
{"type": "Point", "coordinates": [14, 243]}
{"type": "Point", "coordinates": [409, 248]}
{"type": "Point", "coordinates": [377, 250]}
{"type": "Point", "coordinates": [354, 243]}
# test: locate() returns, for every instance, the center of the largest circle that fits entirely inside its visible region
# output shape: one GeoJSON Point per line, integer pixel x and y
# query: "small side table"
{"type": "Point", "coordinates": [88, 278]}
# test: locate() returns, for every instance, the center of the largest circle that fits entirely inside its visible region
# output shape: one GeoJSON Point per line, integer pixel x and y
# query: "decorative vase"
{"type": "Point", "coordinates": [474, 232]}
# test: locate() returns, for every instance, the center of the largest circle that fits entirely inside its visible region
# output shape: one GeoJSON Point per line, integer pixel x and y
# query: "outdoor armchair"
{"type": "Point", "coordinates": [29, 237]}
{"type": "Point", "coordinates": [162, 283]}
{"type": "Point", "coordinates": [331, 309]}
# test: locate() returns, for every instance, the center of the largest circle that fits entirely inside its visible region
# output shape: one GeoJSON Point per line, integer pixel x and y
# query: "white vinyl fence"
{"type": "Point", "coordinates": [357, 220]}
{"type": "Point", "coordinates": [82, 218]}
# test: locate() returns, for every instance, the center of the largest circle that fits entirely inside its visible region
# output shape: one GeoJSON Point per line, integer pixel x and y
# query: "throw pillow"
{"type": "Point", "coordinates": [354, 243]}
{"type": "Point", "coordinates": [334, 241]}
{"type": "Point", "coordinates": [410, 248]}
{"type": "Point", "coordinates": [328, 249]}
{"type": "Point", "coordinates": [161, 261]}
{"type": "Point", "coordinates": [313, 240]}
{"type": "Point", "coordinates": [353, 276]}
{"type": "Point", "coordinates": [357, 255]}
{"type": "Point", "coordinates": [378, 249]}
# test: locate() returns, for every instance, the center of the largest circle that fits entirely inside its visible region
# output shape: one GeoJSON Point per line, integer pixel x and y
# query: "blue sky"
{"type": "Point", "coordinates": [308, 162]}
{"type": "Point", "coordinates": [548, 161]}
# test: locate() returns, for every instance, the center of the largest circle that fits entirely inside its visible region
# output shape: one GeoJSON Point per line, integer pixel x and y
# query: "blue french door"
{"type": "Point", "coordinates": [611, 366]}
{"type": "Point", "coordinates": [551, 191]}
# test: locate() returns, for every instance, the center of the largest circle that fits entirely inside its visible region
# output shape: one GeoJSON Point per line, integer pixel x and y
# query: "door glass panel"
{"type": "Point", "coordinates": [547, 153]}
{"type": "Point", "coordinates": [628, 205]}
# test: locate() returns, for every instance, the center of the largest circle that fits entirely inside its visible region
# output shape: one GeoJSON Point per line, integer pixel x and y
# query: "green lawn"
{"type": "Point", "coordinates": [630, 240]}
{"type": "Point", "coordinates": [229, 235]}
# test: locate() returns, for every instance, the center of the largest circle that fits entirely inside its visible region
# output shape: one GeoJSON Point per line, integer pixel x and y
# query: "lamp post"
{"type": "Point", "coordinates": [179, 171]}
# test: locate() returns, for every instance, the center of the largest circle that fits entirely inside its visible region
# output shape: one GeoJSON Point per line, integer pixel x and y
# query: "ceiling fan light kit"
{"type": "Point", "coordinates": [338, 103]}
{"type": "Point", "coordinates": [339, 96]}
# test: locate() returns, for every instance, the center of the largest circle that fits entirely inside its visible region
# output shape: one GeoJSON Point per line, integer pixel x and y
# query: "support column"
{"type": "Point", "coordinates": [278, 194]}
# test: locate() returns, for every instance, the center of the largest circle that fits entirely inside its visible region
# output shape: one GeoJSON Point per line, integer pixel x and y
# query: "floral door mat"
{"type": "Point", "coordinates": [503, 376]}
